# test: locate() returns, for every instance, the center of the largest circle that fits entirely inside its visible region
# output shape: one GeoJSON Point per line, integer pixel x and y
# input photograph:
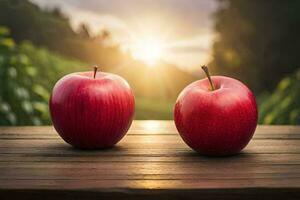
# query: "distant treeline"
{"type": "Point", "coordinates": [258, 41]}
{"type": "Point", "coordinates": [51, 29]}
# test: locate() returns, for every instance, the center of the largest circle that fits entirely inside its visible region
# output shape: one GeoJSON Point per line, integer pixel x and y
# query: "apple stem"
{"type": "Point", "coordinates": [205, 69]}
{"type": "Point", "coordinates": [95, 71]}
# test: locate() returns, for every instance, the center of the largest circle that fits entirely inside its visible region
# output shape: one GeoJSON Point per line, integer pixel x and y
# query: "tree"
{"type": "Point", "coordinates": [28, 22]}
{"type": "Point", "coordinates": [84, 31]}
{"type": "Point", "coordinates": [258, 41]}
{"type": "Point", "coordinates": [52, 29]}
{"type": "Point", "coordinates": [283, 105]}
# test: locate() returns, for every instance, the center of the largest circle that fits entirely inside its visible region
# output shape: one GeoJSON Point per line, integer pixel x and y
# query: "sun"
{"type": "Point", "coordinates": [148, 50]}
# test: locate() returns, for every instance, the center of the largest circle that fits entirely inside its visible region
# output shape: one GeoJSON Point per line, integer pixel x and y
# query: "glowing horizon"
{"type": "Point", "coordinates": [150, 31]}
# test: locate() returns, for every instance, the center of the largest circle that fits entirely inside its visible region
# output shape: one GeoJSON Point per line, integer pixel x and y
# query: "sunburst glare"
{"type": "Point", "coordinates": [148, 50]}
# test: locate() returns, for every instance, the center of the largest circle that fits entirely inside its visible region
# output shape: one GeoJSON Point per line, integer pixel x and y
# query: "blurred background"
{"type": "Point", "coordinates": [157, 46]}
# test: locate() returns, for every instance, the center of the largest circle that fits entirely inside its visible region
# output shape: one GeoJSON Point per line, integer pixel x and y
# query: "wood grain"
{"type": "Point", "coordinates": [150, 162]}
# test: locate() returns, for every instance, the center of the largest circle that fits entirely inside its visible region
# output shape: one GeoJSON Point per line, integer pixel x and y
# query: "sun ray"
{"type": "Point", "coordinates": [148, 50]}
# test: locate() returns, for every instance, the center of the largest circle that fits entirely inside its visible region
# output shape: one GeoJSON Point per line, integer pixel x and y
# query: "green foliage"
{"type": "Point", "coordinates": [17, 100]}
{"type": "Point", "coordinates": [256, 38]}
{"type": "Point", "coordinates": [283, 105]}
{"type": "Point", "coordinates": [27, 76]}
{"type": "Point", "coordinates": [49, 66]}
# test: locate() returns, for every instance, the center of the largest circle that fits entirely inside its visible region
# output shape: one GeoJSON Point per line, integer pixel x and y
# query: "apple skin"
{"type": "Point", "coordinates": [219, 122]}
{"type": "Point", "coordinates": [90, 112]}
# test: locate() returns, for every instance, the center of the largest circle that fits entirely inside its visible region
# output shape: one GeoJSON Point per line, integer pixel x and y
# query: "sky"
{"type": "Point", "coordinates": [179, 32]}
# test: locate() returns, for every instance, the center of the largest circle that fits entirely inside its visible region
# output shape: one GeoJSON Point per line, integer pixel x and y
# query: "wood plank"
{"type": "Point", "coordinates": [54, 136]}
{"type": "Point", "coordinates": [146, 127]}
{"type": "Point", "coordinates": [186, 157]}
{"type": "Point", "coordinates": [140, 145]}
{"type": "Point", "coordinates": [130, 139]}
{"type": "Point", "coordinates": [151, 161]}
{"type": "Point", "coordinates": [112, 185]}
{"type": "Point", "coordinates": [146, 171]}
{"type": "Point", "coordinates": [124, 176]}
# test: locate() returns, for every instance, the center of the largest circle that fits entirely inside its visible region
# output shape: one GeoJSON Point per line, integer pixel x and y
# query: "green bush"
{"type": "Point", "coordinates": [19, 102]}
{"type": "Point", "coordinates": [49, 66]}
{"type": "Point", "coordinates": [27, 75]}
{"type": "Point", "coordinates": [283, 105]}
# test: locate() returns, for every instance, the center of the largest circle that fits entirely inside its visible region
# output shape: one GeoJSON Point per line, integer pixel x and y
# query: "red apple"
{"type": "Point", "coordinates": [92, 110]}
{"type": "Point", "coordinates": [216, 116]}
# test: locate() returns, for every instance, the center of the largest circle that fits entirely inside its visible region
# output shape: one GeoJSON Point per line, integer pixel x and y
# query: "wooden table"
{"type": "Point", "coordinates": [151, 162]}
